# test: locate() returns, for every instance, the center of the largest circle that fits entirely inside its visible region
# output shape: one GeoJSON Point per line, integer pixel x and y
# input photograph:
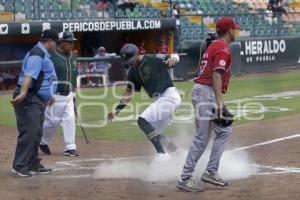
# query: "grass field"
{"type": "Point", "coordinates": [240, 87]}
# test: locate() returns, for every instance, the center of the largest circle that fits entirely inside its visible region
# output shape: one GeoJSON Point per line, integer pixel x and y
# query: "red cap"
{"type": "Point", "coordinates": [226, 23]}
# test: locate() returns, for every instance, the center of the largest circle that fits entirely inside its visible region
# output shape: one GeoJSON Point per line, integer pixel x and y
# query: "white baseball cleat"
{"type": "Point", "coordinates": [163, 157]}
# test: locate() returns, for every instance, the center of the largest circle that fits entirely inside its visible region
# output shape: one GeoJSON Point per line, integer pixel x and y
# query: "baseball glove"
{"type": "Point", "coordinates": [223, 119]}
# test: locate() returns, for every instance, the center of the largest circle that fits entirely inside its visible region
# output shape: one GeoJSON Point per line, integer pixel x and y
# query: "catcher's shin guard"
{"type": "Point", "coordinates": [151, 134]}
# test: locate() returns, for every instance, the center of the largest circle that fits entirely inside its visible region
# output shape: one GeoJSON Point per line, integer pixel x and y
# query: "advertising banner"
{"type": "Point", "coordinates": [269, 53]}
{"type": "Point", "coordinates": [253, 54]}
{"type": "Point", "coordinates": [27, 28]}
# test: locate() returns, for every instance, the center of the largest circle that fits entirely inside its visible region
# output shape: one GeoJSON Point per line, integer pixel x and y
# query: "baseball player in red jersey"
{"type": "Point", "coordinates": [210, 85]}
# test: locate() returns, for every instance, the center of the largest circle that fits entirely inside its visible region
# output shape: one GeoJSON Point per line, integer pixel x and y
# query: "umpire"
{"type": "Point", "coordinates": [34, 90]}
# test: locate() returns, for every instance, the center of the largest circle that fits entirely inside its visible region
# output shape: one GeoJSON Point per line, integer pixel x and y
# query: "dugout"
{"type": "Point", "coordinates": [18, 37]}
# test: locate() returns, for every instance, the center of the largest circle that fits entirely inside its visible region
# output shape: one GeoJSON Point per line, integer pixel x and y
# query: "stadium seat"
{"type": "Point", "coordinates": [9, 6]}
{"type": "Point", "coordinates": [110, 13]}
{"type": "Point", "coordinates": [29, 6]}
{"type": "Point", "coordinates": [19, 7]}
{"type": "Point", "coordinates": [46, 14]}
{"type": "Point", "coordinates": [57, 14]}
{"type": "Point", "coordinates": [76, 14]}
{"type": "Point", "coordinates": [137, 13]}
{"type": "Point", "coordinates": [120, 13]}
{"type": "Point", "coordinates": [67, 14]}
{"type": "Point", "coordinates": [29, 14]}
{"type": "Point", "coordinates": [128, 13]}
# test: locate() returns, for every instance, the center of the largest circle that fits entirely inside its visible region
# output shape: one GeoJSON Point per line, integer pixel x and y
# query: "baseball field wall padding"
{"type": "Point", "coordinates": [252, 54]}
{"type": "Point", "coordinates": [267, 54]}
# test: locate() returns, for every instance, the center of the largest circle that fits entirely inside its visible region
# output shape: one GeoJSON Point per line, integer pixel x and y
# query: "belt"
{"type": "Point", "coordinates": [63, 90]}
{"type": "Point", "coordinates": [156, 95]}
{"type": "Point", "coordinates": [64, 93]}
{"type": "Point", "coordinates": [32, 92]}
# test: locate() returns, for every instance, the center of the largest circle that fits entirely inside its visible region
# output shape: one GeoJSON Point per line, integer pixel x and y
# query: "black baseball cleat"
{"type": "Point", "coordinates": [21, 174]}
{"type": "Point", "coordinates": [213, 178]}
{"type": "Point", "coordinates": [41, 170]}
{"type": "Point", "coordinates": [45, 149]}
{"type": "Point", "coordinates": [71, 153]}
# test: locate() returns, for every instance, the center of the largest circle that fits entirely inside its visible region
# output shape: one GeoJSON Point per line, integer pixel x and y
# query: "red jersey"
{"type": "Point", "coordinates": [216, 57]}
{"type": "Point", "coordinates": [142, 51]}
{"type": "Point", "coordinates": [162, 49]}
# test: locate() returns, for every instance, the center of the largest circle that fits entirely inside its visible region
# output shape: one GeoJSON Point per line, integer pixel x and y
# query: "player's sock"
{"type": "Point", "coordinates": [157, 144]}
{"type": "Point", "coordinates": [150, 132]}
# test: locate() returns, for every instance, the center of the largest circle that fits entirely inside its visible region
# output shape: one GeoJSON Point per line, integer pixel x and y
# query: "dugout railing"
{"type": "Point", "coordinates": [89, 74]}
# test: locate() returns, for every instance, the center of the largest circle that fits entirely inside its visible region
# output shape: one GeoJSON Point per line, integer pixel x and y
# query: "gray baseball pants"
{"type": "Point", "coordinates": [204, 101]}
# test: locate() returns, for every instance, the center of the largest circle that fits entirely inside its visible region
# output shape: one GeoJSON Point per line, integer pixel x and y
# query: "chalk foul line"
{"type": "Point", "coordinates": [266, 143]}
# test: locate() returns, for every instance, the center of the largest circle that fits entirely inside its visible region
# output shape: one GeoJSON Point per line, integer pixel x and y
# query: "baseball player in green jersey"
{"type": "Point", "coordinates": [62, 112]}
{"type": "Point", "coordinates": [151, 73]}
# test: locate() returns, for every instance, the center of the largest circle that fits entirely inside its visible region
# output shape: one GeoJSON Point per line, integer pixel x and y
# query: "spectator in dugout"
{"type": "Point", "coordinates": [102, 67]}
{"type": "Point", "coordinates": [8, 74]}
{"type": "Point", "coordinates": [141, 47]}
{"type": "Point", "coordinates": [162, 48]}
{"type": "Point", "coordinates": [80, 68]}
{"type": "Point", "coordinates": [89, 70]}
{"type": "Point", "coordinates": [75, 52]}
{"type": "Point", "coordinates": [79, 65]}
{"type": "Point", "coordinates": [7, 78]}
{"type": "Point", "coordinates": [84, 68]}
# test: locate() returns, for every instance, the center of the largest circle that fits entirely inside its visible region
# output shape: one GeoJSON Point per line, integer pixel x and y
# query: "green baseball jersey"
{"type": "Point", "coordinates": [151, 74]}
{"type": "Point", "coordinates": [65, 67]}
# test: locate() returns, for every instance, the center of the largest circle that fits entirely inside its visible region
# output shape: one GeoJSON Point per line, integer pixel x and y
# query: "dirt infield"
{"type": "Point", "coordinates": [278, 176]}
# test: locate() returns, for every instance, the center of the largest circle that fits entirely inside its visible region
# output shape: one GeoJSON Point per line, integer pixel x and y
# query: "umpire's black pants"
{"type": "Point", "coordinates": [30, 118]}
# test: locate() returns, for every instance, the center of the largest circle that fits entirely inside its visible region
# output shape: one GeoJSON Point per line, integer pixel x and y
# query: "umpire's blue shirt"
{"type": "Point", "coordinates": [38, 65]}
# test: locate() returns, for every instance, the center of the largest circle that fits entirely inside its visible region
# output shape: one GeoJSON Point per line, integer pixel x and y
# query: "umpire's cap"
{"type": "Point", "coordinates": [128, 53]}
{"type": "Point", "coordinates": [49, 34]}
{"type": "Point", "coordinates": [66, 37]}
